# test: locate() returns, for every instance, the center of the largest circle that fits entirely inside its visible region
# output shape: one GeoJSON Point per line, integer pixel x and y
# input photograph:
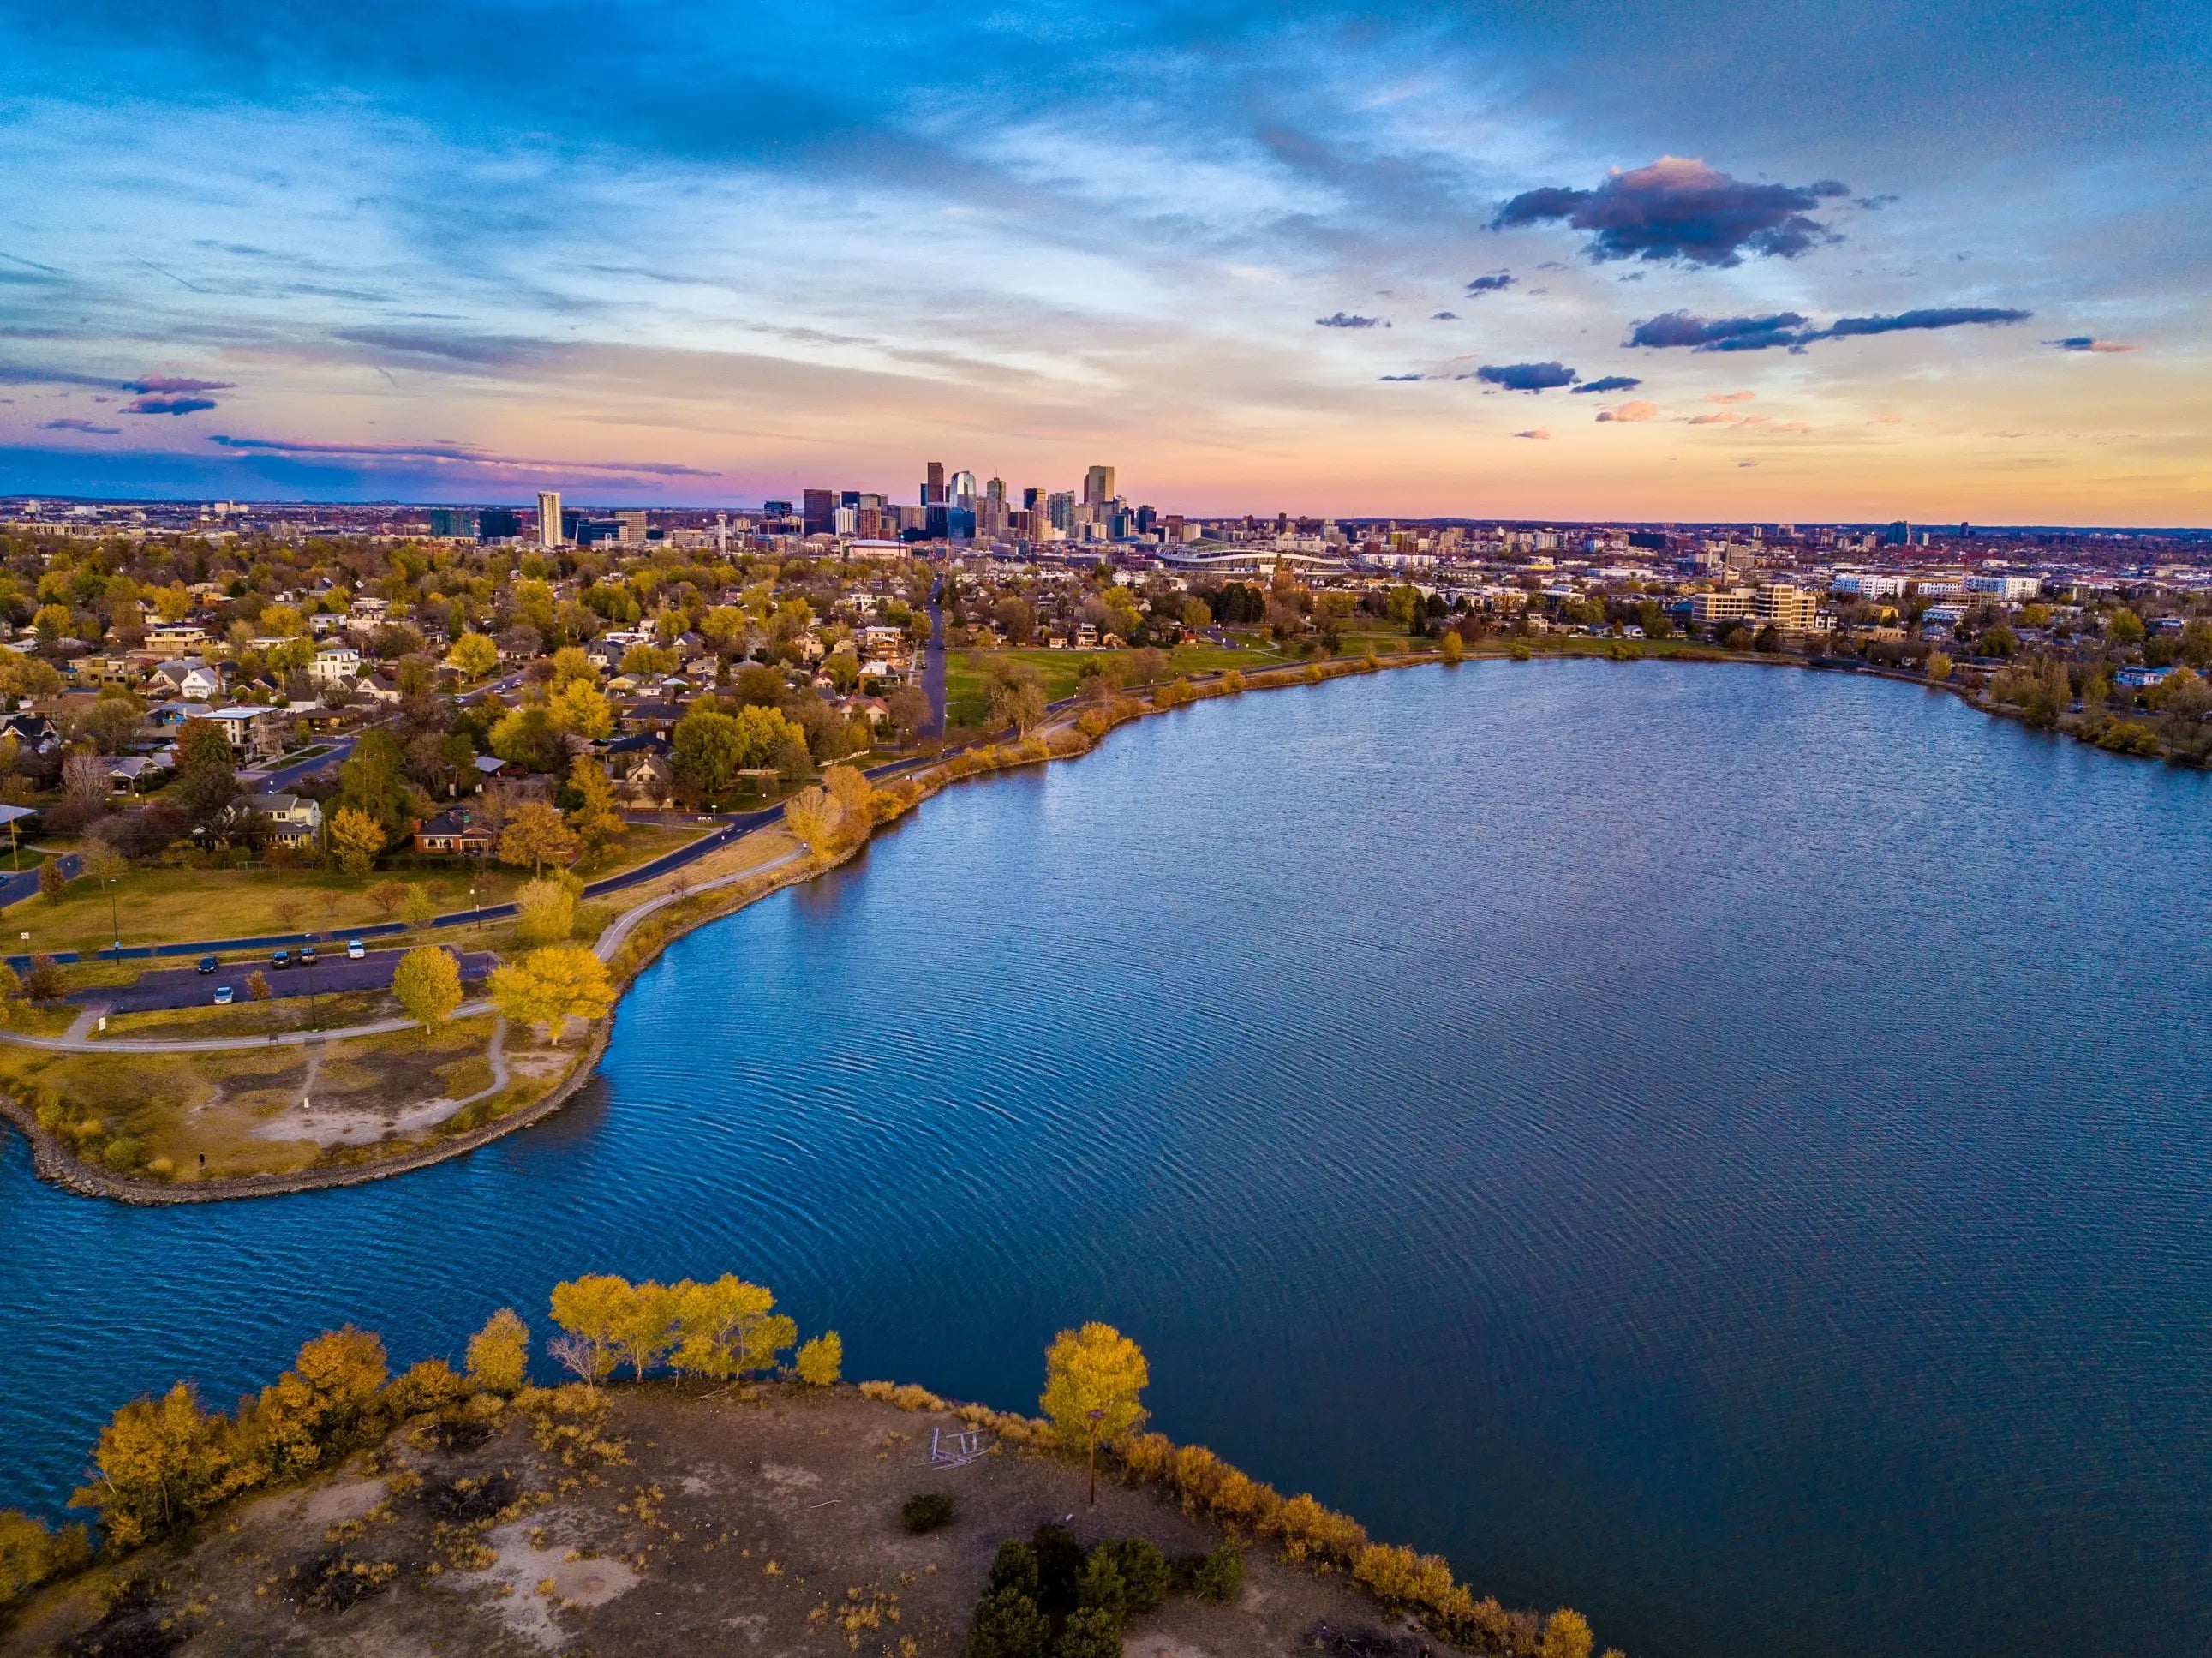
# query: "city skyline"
{"type": "Point", "coordinates": [1650, 265]}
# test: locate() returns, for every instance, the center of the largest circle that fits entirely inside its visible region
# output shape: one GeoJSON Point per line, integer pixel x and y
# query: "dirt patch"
{"type": "Point", "coordinates": [656, 1522]}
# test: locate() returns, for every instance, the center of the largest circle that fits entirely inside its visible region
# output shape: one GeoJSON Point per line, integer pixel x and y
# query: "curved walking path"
{"type": "Point", "coordinates": [225, 1044]}
{"type": "Point", "coordinates": [618, 930]}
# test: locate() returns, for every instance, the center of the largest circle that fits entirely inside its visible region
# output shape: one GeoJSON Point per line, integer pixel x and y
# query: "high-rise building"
{"type": "Point", "coordinates": [819, 510]}
{"type": "Point", "coordinates": [1060, 510]}
{"type": "Point", "coordinates": [549, 518]}
{"type": "Point", "coordinates": [1900, 534]}
{"type": "Point", "coordinates": [454, 523]}
{"type": "Point", "coordinates": [933, 488]}
{"type": "Point", "coordinates": [632, 527]}
{"type": "Point", "coordinates": [498, 524]}
{"type": "Point", "coordinates": [964, 489]}
{"type": "Point", "coordinates": [1098, 486]}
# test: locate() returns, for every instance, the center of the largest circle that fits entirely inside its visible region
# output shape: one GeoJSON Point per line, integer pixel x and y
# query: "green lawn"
{"type": "Point", "coordinates": [967, 704]}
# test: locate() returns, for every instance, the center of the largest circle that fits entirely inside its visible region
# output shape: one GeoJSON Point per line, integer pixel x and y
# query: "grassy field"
{"type": "Point", "coordinates": [246, 1019]}
{"type": "Point", "coordinates": [166, 906]}
{"type": "Point", "coordinates": [241, 1110]}
{"type": "Point", "coordinates": [967, 703]}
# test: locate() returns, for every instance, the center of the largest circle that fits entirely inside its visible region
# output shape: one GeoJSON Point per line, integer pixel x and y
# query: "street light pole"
{"type": "Point", "coordinates": [1095, 1416]}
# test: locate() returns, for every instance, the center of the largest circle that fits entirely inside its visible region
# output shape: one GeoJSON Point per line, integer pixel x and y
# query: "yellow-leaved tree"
{"type": "Point", "coordinates": [589, 1310]}
{"type": "Point", "coordinates": [535, 835]}
{"type": "Point", "coordinates": [473, 656]}
{"type": "Point", "coordinates": [813, 817]}
{"type": "Point", "coordinates": [355, 838]}
{"type": "Point", "coordinates": [552, 986]}
{"type": "Point", "coordinates": [499, 1354]}
{"type": "Point", "coordinates": [427, 983]}
{"type": "Point", "coordinates": [595, 818]}
{"type": "Point", "coordinates": [546, 911]}
{"type": "Point", "coordinates": [29, 1553]}
{"type": "Point", "coordinates": [822, 1360]}
{"type": "Point", "coordinates": [579, 709]}
{"type": "Point", "coordinates": [1092, 1377]}
{"type": "Point", "coordinates": [159, 1462]}
{"type": "Point", "coordinates": [319, 1404]}
{"type": "Point", "coordinates": [727, 1328]}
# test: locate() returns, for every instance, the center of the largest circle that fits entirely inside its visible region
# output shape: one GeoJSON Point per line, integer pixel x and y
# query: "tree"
{"type": "Point", "coordinates": [1455, 647]}
{"type": "Point", "coordinates": [587, 1309]}
{"type": "Point", "coordinates": [30, 1554]}
{"type": "Point", "coordinates": [417, 908]}
{"type": "Point", "coordinates": [52, 884]}
{"type": "Point", "coordinates": [909, 710]}
{"type": "Point", "coordinates": [525, 736]}
{"type": "Point", "coordinates": [577, 708]}
{"type": "Point", "coordinates": [2124, 627]}
{"type": "Point", "coordinates": [386, 896]}
{"type": "Point", "coordinates": [354, 838]}
{"type": "Point", "coordinates": [552, 986]}
{"type": "Point", "coordinates": [849, 788]}
{"type": "Point", "coordinates": [1018, 703]}
{"type": "Point", "coordinates": [428, 982]}
{"type": "Point", "coordinates": [644, 1328]}
{"type": "Point", "coordinates": [44, 983]}
{"type": "Point", "coordinates": [1092, 1377]}
{"type": "Point", "coordinates": [822, 1360]}
{"type": "Point", "coordinates": [319, 1405]}
{"type": "Point", "coordinates": [1007, 1625]}
{"type": "Point", "coordinates": [1091, 1633]}
{"type": "Point", "coordinates": [813, 817]}
{"type": "Point", "coordinates": [727, 1328]}
{"type": "Point", "coordinates": [1939, 666]}
{"type": "Point", "coordinates": [499, 1354]}
{"type": "Point", "coordinates": [257, 987]}
{"type": "Point", "coordinates": [473, 656]}
{"type": "Point", "coordinates": [1566, 1634]}
{"type": "Point", "coordinates": [373, 781]}
{"type": "Point", "coordinates": [548, 911]}
{"type": "Point", "coordinates": [595, 818]}
{"type": "Point", "coordinates": [536, 835]}
{"type": "Point", "coordinates": [158, 1459]}
{"type": "Point", "coordinates": [84, 787]}
{"type": "Point", "coordinates": [206, 782]}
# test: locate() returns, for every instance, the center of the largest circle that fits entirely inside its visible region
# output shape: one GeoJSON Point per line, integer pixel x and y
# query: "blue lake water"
{"type": "Point", "coordinates": [1724, 1149]}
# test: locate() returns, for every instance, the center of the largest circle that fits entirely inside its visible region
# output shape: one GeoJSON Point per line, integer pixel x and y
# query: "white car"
{"type": "Point", "coordinates": [353, 951]}
{"type": "Point", "coordinates": [224, 995]}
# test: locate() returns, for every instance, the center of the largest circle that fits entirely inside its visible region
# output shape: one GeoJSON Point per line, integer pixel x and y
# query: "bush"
{"type": "Point", "coordinates": [1099, 1586]}
{"type": "Point", "coordinates": [1144, 1573]}
{"type": "Point", "coordinates": [1008, 1625]}
{"type": "Point", "coordinates": [1092, 1632]}
{"type": "Point", "coordinates": [925, 1511]}
{"type": "Point", "coordinates": [1015, 1567]}
{"type": "Point", "coordinates": [1219, 1576]}
{"type": "Point", "coordinates": [821, 1359]}
{"type": "Point", "coordinates": [499, 1354]}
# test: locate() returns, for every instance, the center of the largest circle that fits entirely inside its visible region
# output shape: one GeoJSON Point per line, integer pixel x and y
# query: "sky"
{"type": "Point", "coordinates": [1658, 260]}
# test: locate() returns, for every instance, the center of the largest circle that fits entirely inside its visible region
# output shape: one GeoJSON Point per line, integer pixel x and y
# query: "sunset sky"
{"type": "Point", "coordinates": [1860, 261]}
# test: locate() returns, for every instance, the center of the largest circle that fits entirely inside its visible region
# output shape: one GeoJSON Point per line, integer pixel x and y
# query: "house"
{"type": "Point", "coordinates": [189, 679]}
{"type": "Point", "coordinates": [2140, 678]}
{"type": "Point", "coordinates": [259, 732]}
{"type": "Point", "coordinates": [455, 832]}
{"type": "Point", "coordinates": [33, 733]}
{"type": "Point", "coordinates": [335, 664]}
{"type": "Point", "coordinates": [293, 819]}
{"type": "Point", "coordinates": [177, 638]}
{"type": "Point", "coordinates": [647, 778]}
{"type": "Point", "coordinates": [652, 716]}
{"type": "Point", "coordinates": [125, 773]}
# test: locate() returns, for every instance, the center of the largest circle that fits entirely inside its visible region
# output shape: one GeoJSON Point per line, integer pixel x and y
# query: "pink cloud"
{"type": "Point", "coordinates": [1539, 432]}
{"type": "Point", "coordinates": [1627, 413]}
{"type": "Point", "coordinates": [1730, 396]}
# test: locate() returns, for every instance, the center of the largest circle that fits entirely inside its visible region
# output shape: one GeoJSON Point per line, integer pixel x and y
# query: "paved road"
{"type": "Point", "coordinates": [336, 750]}
{"type": "Point", "coordinates": [24, 884]}
{"type": "Point", "coordinates": [932, 668]}
{"type": "Point", "coordinates": [186, 986]}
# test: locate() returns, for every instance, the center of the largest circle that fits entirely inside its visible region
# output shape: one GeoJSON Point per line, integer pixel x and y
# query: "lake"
{"type": "Point", "coordinates": [1724, 1148]}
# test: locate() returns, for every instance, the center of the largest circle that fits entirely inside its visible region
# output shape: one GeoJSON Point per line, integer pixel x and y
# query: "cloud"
{"type": "Point", "coordinates": [1715, 420]}
{"type": "Point", "coordinates": [73, 424]}
{"type": "Point", "coordinates": [1445, 316]}
{"type": "Point", "coordinates": [1346, 320]}
{"type": "Point", "coordinates": [1404, 377]}
{"type": "Point", "coordinates": [1945, 317]}
{"type": "Point", "coordinates": [1747, 463]}
{"type": "Point", "coordinates": [1526, 376]}
{"type": "Point", "coordinates": [1497, 283]}
{"type": "Point", "coordinates": [463, 454]}
{"type": "Point", "coordinates": [1788, 328]}
{"type": "Point", "coordinates": [167, 405]}
{"type": "Point", "coordinates": [1628, 414]}
{"type": "Point", "coordinates": [1681, 210]}
{"type": "Point", "coordinates": [1873, 203]}
{"type": "Point", "coordinates": [1791, 426]}
{"type": "Point", "coordinates": [1730, 396]}
{"type": "Point", "coordinates": [1538, 433]}
{"type": "Point", "coordinates": [171, 384]}
{"type": "Point", "coordinates": [1609, 383]}
{"type": "Point", "coordinates": [1680, 328]}
{"type": "Point", "coordinates": [2088, 343]}
{"type": "Point", "coordinates": [24, 374]}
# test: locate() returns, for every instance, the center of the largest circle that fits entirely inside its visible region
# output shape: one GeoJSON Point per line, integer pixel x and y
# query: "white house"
{"type": "Point", "coordinates": [293, 820]}
{"type": "Point", "coordinates": [192, 680]}
{"type": "Point", "coordinates": [334, 664]}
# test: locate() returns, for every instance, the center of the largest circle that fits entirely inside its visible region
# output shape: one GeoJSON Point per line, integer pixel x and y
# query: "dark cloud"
{"type": "Point", "coordinates": [1609, 383]}
{"type": "Point", "coordinates": [170, 383]}
{"type": "Point", "coordinates": [1681, 210]}
{"type": "Point", "coordinates": [16, 373]}
{"type": "Point", "coordinates": [460, 452]}
{"type": "Point", "coordinates": [1873, 203]}
{"type": "Point", "coordinates": [1945, 317]}
{"type": "Point", "coordinates": [167, 405]}
{"type": "Point", "coordinates": [1404, 377]}
{"type": "Point", "coordinates": [1680, 328]}
{"type": "Point", "coordinates": [2088, 343]}
{"type": "Point", "coordinates": [1539, 433]}
{"type": "Point", "coordinates": [73, 424]}
{"type": "Point", "coordinates": [1526, 376]}
{"type": "Point", "coordinates": [1497, 283]}
{"type": "Point", "coordinates": [1445, 316]}
{"type": "Point", "coordinates": [1346, 320]}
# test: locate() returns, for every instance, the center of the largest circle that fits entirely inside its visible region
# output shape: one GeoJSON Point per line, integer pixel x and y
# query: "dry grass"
{"type": "Point", "coordinates": [249, 1018]}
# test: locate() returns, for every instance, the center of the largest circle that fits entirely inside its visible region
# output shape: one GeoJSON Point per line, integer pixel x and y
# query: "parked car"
{"type": "Point", "coordinates": [208, 964]}
{"type": "Point", "coordinates": [354, 950]}
{"type": "Point", "coordinates": [281, 960]}
{"type": "Point", "coordinates": [306, 955]}
{"type": "Point", "coordinates": [224, 995]}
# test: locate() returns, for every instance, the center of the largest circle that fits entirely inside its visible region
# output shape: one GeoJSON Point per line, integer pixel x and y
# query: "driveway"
{"type": "Point", "coordinates": [186, 986]}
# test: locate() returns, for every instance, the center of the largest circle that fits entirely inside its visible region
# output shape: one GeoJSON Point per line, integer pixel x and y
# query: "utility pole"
{"type": "Point", "coordinates": [1096, 1417]}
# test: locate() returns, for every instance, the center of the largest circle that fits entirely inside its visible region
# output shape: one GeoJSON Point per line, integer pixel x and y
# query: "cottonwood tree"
{"type": "Point", "coordinates": [355, 838]}
{"type": "Point", "coordinates": [596, 819]}
{"type": "Point", "coordinates": [552, 986]}
{"type": "Point", "coordinates": [547, 911]}
{"type": "Point", "coordinates": [1092, 1378]}
{"type": "Point", "coordinates": [813, 817]}
{"type": "Point", "coordinates": [427, 983]}
{"type": "Point", "coordinates": [822, 1360]}
{"type": "Point", "coordinates": [472, 656]}
{"type": "Point", "coordinates": [535, 835]}
{"type": "Point", "coordinates": [728, 1327]}
{"type": "Point", "coordinates": [499, 1354]}
{"type": "Point", "coordinates": [587, 1311]}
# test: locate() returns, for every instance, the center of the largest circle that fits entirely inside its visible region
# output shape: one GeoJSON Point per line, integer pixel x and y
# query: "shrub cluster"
{"type": "Point", "coordinates": [1320, 1538]}
{"type": "Point", "coordinates": [1052, 1597]}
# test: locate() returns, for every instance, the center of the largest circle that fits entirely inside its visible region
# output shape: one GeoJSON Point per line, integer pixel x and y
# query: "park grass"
{"type": "Point", "coordinates": [229, 1106]}
{"type": "Point", "coordinates": [249, 1018]}
{"type": "Point", "coordinates": [967, 702]}
{"type": "Point", "coordinates": [176, 905]}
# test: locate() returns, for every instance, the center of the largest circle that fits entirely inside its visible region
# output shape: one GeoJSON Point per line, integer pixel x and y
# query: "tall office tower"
{"type": "Point", "coordinates": [869, 501]}
{"type": "Point", "coordinates": [1032, 499]}
{"type": "Point", "coordinates": [847, 521]}
{"type": "Point", "coordinates": [498, 524]}
{"type": "Point", "coordinates": [454, 523]}
{"type": "Point", "coordinates": [631, 532]}
{"type": "Point", "coordinates": [819, 509]}
{"type": "Point", "coordinates": [721, 532]}
{"type": "Point", "coordinates": [1060, 507]}
{"type": "Point", "coordinates": [992, 517]}
{"type": "Point", "coordinates": [964, 489]}
{"type": "Point", "coordinates": [1098, 486]}
{"type": "Point", "coordinates": [549, 518]}
{"type": "Point", "coordinates": [932, 488]}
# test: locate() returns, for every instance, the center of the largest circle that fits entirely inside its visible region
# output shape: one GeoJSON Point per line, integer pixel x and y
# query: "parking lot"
{"type": "Point", "coordinates": [187, 986]}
